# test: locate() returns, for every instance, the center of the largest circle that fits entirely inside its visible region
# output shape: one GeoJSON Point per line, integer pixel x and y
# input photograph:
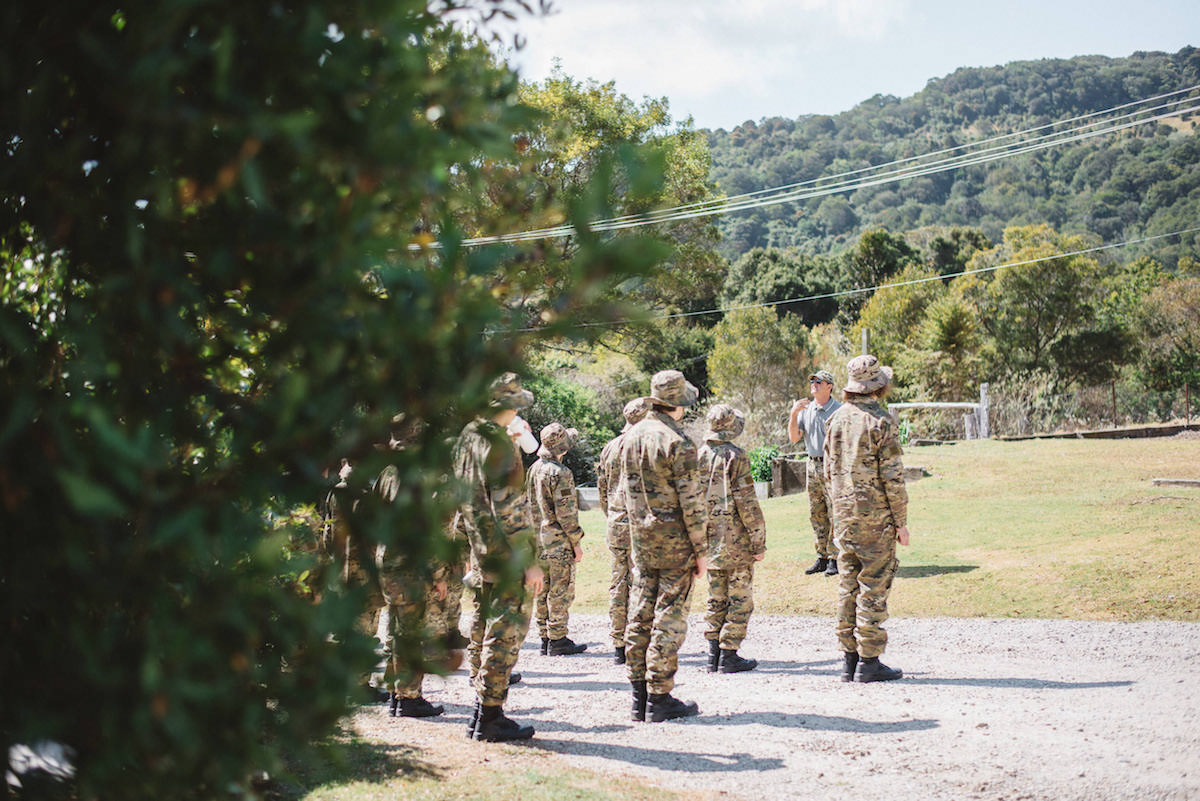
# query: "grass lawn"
{"type": "Point", "coordinates": [1038, 528]}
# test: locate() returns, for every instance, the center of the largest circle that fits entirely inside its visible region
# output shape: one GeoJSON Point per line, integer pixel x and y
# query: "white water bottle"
{"type": "Point", "coordinates": [520, 430]}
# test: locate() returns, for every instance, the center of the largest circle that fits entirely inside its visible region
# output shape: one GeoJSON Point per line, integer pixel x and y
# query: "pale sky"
{"type": "Point", "coordinates": [728, 61]}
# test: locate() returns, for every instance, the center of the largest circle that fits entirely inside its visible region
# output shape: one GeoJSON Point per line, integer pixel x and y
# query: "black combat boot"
{"type": "Point", "coordinates": [545, 645]}
{"type": "Point", "coordinates": [419, 708]}
{"type": "Point", "coordinates": [831, 569]}
{"type": "Point", "coordinates": [871, 669]}
{"type": "Point", "coordinates": [563, 646]}
{"type": "Point", "coordinates": [819, 566]}
{"type": "Point", "coordinates": [619, 655]}
{"type": "Point", "coordinates": [850, 665]}
{"type": "Point", "coordinates": [732, 663]}
{"type": "Point", "coordinates": [474, 721]}
{"type": "Point", "coordinates": [639, 700]}
{"type": "Point", "coordinates": [665, 706]}
{"type": "Point", "coordinates": [495, 727]}
{"type": "Point", "coordinates": [514, 678]}
{"type": "Point", "coordinates": [714, 655]}
{"type": "Point", "coordinates": [393, 702]}
{"type": "Point", "coordinates": [455, 641]}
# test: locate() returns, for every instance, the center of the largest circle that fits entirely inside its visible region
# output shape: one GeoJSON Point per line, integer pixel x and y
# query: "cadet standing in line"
{"type": "Point", "coordinates": [809, 420]}
{"type": "Point", "coordinates": [612, 505]}
{"type": "Point", "coordinates": [667, 522]}
{"type": "Point", "coordinates": [737, 538]}
{"type": "Point", "coordinates": [870, 508]}
{"type": "Point", "coordinates": [410, 616]}
{"type": "Point", "coordinates": [496, 520]}
{"type": "Point", "coordinates": [555, 511]}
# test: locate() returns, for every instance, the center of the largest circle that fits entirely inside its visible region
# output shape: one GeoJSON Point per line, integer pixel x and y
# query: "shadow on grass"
{"type": "Point", "coordinates": [343, 760]}
{"type": "Point", "coordinates": [676, 761]}
{"type": "Point", "coordinates": [925, 571]}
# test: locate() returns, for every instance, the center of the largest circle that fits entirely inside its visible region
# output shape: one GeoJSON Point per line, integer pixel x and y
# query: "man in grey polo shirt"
{"type": "Point", "coordinates": [807, 420]}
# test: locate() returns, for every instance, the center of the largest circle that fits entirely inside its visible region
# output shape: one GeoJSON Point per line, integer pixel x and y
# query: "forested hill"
{"type": "Point", "coordinates": [1126, 185]}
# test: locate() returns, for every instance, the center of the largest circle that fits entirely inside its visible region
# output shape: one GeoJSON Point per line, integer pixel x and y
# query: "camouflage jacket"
{"type": "Point", "coordinates": [553, 505]}
{"type": "Point", "coordinates": [663, 496]}
{"type": "Point", "coordinates": [737, 531]}
{"type": "Point", "coordinates": [399, 579]}
{"type": "Point", "coordinates": [612, 502]}
{"type": "Point", "coordinates": [864, 471]}
{"type": "Point", "coordinates": [495, 515]}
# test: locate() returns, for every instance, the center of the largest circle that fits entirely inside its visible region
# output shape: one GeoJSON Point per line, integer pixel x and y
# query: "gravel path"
{"type": "Point", "coordinates": [989, 709]}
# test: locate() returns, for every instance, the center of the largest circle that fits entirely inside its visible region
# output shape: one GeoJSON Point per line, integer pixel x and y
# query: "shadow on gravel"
{"type": "Point", "coordinates": [1016, 684]}
{"type": "Point", "coordinates": [609, 686]}
{"type": "Point", "coordinates": [814, 722]}
{"type": "Point", "coordinates": [925, 571]}
{"type": "Point", "coordinates": [681, 761]}
{"type": "Point", "coordinates": [823, 667]}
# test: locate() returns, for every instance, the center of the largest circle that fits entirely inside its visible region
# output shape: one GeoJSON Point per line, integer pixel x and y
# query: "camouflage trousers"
{"type": "Point", "coordinates": [730, 603]}
{"type": "Point", "coordinates": [657, 625]}
{"type": "Point", "coordinates": [498, 628]}
{"type": "Point", "coordinates": [416, 633]}
{"type": "Point", "coordinates": [820, 509]}
{"type": "Point", "coordinates": [866, 566]}
{"type": "Point", "coordinates": [618, 594]}
{"type": "Point", "coordinates": [553, 604]}
{"type": "Point", "coordinates": [451, 608]}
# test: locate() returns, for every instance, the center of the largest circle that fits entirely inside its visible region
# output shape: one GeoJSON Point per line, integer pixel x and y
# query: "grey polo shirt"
{"type": "Point", "coordinates": [812, 422]}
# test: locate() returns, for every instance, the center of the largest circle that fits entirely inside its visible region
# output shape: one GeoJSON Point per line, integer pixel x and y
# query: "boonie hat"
{"type": "Point", "coordinates": [507, 393]}
{"type": "Point", "coordinates": [670, 388]}
{"type": "Point", "coordinates": [867, 375]}
{"type": "Point", "coordinates": [725, 422]}
{"type": "Point", "coordinates": [558, 439]}
{"type": "Point", "coordinates": [635, 411]}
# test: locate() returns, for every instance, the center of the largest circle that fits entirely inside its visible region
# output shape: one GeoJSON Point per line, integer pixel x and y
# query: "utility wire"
{"type": "Point", "coordinates": [966, 160]}
{"type": "Point", "coordinates": [787, 193]}
{"type": "Point", "coordinates": [732, 203]}
{"type": "Point", "coordinates": [877, 287]}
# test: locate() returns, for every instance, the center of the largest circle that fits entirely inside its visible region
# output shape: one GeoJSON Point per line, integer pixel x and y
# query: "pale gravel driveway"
{"type": "Point", "coordinates": [990, 709]}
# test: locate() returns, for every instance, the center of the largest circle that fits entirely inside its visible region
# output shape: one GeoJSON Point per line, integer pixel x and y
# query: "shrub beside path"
{"type": "Point", "coordinates": [988, 709]}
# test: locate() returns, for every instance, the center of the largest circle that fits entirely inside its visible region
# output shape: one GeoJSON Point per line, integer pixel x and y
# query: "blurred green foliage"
{"type": "Point", "coordinates": [221, 225]}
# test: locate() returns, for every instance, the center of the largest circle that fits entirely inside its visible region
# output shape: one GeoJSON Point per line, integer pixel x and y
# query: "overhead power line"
{"type": "Point", "coordinates": [981, 152]}
{"type": "Point", "coordinates": [891, 285]}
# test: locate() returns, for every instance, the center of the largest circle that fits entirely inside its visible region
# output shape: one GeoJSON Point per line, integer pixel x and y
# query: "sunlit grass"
{"type": "Point", "coordinates": [1039, 528]}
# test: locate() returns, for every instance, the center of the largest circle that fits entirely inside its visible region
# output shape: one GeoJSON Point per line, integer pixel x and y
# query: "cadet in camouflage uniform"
{"type": "Point", "coordinates": [495, 518]}
{"type": "Point", "coordinates": [737, 538]}
{"type": "Point", "coordinates": [612, 505]}
{"type": "Point", "coordinates": [555, 512]}
{"type": "Point", "coordinates": [807, 421]}
{"type": "Point", "coordinates": [667, 521]}
{"type": "Point", "coordinates": [407, 595]}
{"type": "Point", "coordinates": [870, 507]}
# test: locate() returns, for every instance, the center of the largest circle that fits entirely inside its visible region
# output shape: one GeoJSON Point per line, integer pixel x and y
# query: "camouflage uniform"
{"type": "Point", "coordinates": [667, 522]}
{"type": "Point", "coordinates": [495, 520]}
{"type": "Point", "coordinates": [407, 621]}
{"type": "Point", "coordinates": [555, 512]}
{"type": "Point", "coordinates": [737, 532]}
{"type": "Point", "coordinates": [866, 483]}
{"type": "Point", "coordinates": [612, 505]}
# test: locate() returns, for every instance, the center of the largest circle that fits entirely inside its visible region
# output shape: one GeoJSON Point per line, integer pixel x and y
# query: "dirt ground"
{"type": "Point", "coordinates": [988, 709]}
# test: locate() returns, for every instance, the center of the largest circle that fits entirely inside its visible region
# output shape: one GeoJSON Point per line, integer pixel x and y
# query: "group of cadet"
{"type": "Point", "coordinates": [674, 513]}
